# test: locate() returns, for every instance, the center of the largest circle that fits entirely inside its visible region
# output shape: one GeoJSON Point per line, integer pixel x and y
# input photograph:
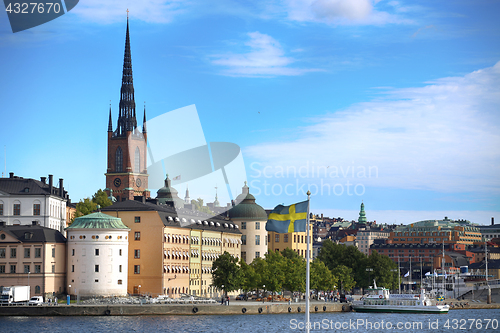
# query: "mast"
{"type": "Point", "coordinates": [307, 263]}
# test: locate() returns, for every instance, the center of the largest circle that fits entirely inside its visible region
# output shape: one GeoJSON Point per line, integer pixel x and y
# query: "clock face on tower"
{"type": "Point", "coordinates": [117, 182]}
{"type": "Point", "coordinates": [138, 182]}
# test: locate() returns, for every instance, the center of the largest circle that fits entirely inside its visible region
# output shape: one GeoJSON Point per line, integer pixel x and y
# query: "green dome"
{"type": "Point", "coordinates": [97, 221]}
{"type": "Point", "coordinates": [247, 208]}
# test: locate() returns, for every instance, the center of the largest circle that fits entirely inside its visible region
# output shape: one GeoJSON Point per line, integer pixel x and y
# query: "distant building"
{"type": "Point", "coordinates": [97, 256]}
{"type": "Point", "coordinates": [366, 237]}
{"type": "Point", "coordinates": [490, 232]}
{"type": "Point", "coordinates": [251, 219]}
{"type": "Point", "coordinates": [26, 201]}
{"type": "Point", "coordinates": [34, 256]}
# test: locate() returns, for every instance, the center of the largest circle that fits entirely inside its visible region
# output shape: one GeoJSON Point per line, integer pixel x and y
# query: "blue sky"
{"type": "Point", "coordinates": [405, 94]}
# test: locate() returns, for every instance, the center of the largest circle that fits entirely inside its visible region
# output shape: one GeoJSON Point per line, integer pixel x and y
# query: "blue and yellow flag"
{"type": "Point", "coordinates": [284, 219]}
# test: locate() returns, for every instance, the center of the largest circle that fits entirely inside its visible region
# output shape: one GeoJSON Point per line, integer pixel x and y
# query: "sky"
{"type": "Point", "coordinates": [395, 104]}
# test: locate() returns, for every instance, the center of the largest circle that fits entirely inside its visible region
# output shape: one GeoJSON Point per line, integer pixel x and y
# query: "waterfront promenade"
{"type": "Point", "coordinates": [235, 308]}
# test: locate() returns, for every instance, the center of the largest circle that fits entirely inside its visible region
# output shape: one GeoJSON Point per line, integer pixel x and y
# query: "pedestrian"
{"type": "Point", "coordinates": [55, 301]}
{"type": "Point", "coordinates": [227, 300]}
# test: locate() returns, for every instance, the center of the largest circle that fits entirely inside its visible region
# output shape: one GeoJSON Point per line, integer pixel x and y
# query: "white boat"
{"type": "Point", "coordinates": [379, 299]}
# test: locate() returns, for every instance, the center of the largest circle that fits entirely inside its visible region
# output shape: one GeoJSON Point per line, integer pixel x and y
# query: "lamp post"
{"type": "Point", "coordinates": [369, 270]}
{"type": "Point", "coordinates": [29, 287]}
{"type": "Point", "coordinates": [263, 292]}
{"type": "Point", "coordinates": [394, 270]}
{"type": "Point", "coordinates": [139, 290]}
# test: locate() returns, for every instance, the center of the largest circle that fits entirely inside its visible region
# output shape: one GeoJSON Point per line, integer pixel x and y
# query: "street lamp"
{"type": "Point", "coordinates": [263, 292]}
{"type": "Point", "coordinates": [29, 287]}
{"type": "Point", "coordinates": [395, 270]}
{"type": "Point", "coordinates": [369, 270]}
{"type": "Point", "coordinates": [139, 290]}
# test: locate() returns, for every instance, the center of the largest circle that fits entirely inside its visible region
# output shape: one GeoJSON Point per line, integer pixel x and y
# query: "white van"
{"type": "Point", "coordinates": [36, 300]}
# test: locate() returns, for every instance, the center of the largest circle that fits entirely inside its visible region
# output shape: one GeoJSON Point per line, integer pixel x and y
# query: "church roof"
{"type": "Point", "coordinates": [247, 208]}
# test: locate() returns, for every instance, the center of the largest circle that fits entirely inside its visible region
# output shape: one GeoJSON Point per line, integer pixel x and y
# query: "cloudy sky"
{"type": "Point", "coordinates": [393, 103]}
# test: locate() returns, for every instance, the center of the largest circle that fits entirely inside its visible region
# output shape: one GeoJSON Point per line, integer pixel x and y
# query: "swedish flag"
{"type": "Point", "coordinates": [284, 219]}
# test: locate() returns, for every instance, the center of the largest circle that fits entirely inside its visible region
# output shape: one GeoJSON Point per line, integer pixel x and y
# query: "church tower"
{"type": "Point", "coordinates": [127, 174]}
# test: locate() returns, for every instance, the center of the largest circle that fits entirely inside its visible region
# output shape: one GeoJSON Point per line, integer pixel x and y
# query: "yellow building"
{"type": "Point", "coordinates": [296, 241]}
{"type": "Point", "coordinates": [171, 255]}
{"type": "Point", "coordinates": [34, 256]}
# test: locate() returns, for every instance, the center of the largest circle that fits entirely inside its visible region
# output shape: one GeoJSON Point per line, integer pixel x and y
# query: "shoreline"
{"type": "Point", "coordinates": [237, 308]}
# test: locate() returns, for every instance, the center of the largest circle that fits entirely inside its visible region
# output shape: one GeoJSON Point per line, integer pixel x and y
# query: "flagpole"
{"type": "Point", "coordinates": [307, 263]}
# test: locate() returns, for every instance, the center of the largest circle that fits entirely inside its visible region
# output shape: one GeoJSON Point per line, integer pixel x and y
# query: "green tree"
{"type": "Point", "coordinates": [249, 278]}
{"type": "Point", "coordinates": [226, 273]}
{"type": "Point", "coordinates": [87, 206]}
{"type": "Point", "coordinates": [274, 275]}
{"type": "Point", "coordinates": [259, 266]}
{"type": "Point", "coordinates": [383, 267]}
{"type": "Point", "coordinates": [344, 277]}
{"type": "Point", "coordinates": [295, 271]}
{"type": "Point", "coordinates": [321, 277]}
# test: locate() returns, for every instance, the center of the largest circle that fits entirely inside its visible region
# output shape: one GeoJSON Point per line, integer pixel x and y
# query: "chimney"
{"type": "Point", "coordinates": [61, 189]}
{"type": "Point", "coordinates": [50, 184]}
{"type": "Point", "coordinates": [11, 175]}
{"type": "Point", "coordinates": [492, 220]}
{"type": "Point", "coordinates": [43, 179]}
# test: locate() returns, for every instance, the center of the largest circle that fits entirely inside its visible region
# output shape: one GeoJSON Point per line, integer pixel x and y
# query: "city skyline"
{"type": "Point", "coordinates": [393, 103]}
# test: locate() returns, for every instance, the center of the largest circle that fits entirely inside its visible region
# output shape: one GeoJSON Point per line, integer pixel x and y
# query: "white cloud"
{"type": "Point", "coordinates": [266, 58]}
{"type": "Point", "coordinates": [444, 136]}
{"type": "Point", "coordinates": [110, 11]}
{"type": "Point", "coordinates": [343, 12]}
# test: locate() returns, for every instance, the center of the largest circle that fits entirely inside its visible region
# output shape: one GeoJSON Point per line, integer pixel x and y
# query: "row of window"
{"type": "Point", "coordinates": [96, 252]}
{"type": "Point", "coordinates": [27, 252]}
{"type": "Point", "coordinates": [108, 237]}
{"type": "Point", "coordinates": [96, 268]}
{"type": "Point", "coordinates": [27, 268]}
{"type": "Point", "coordinates": [244, 225]}
{"type": "Point", "coordinates": [119, 160]}
{"type": "Point", "coordinates": [17, 209]}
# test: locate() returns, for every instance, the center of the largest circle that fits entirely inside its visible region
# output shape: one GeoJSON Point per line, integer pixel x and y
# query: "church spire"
{"type": "Point", "coordinates": [110, 122]}
{"type": "Point", "coordinates": [126, 119]}
{"type": "Point", "coordinates": [144, 120]}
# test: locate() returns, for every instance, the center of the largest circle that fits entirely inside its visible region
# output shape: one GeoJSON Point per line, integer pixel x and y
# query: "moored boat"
{"type": "Point", "coordinates": [379, 299]}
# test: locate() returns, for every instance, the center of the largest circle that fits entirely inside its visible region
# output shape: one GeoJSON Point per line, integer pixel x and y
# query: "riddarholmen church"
{"type": "Point", "coordinates": [126, 175]}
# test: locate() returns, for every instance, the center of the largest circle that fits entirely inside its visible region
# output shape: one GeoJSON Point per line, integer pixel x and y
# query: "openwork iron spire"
{"type": "Point", "coordinates": [126, 118]}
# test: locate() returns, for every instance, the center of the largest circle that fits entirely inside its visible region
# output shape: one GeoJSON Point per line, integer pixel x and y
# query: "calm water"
{"type": "Point", "coordinates": [257, 323]}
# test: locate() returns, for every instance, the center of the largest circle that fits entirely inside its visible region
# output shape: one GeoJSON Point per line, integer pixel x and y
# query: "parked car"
{"type": "Point", "coordinates": [345, 298]}
{"type": "Point", "coordinates": [241, 297]}
{"type": "Point", "coordinates": [36, 300]}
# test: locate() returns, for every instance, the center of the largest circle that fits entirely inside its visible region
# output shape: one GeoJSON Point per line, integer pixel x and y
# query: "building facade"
{"type": "Point", "coordinates": [34, 256]}
{"type": "Point", "coordinates": [97, 256]}
{"type": "Point", "coordinates": [25, 201]}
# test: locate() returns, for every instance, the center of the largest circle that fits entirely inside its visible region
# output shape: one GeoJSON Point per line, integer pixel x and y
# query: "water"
{"type": "Point", "coordinates": [259, 323]}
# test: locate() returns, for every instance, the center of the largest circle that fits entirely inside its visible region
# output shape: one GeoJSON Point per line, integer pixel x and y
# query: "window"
{"type": "Point", "coordinates": [17, 209]}
{"type": "Point", "coordinates": [137, 160]}
{"type": "Point", "coordinates": [244, 239]}
{"type": "Point", "coordinates": [38, 268]}
{"type": "Point", "coordinates": [137, 235]}
{"type": "Point", "coordinates": [119, 281]}
{"type": "Point", "coordinates": [53, 252]}
{"type": "Point", "coordinates": [36, 209]}
{"type": "Point", "coordinates": [37, 289]}
{"type": "Point", "coordinates": [2, 253]}
{"type": "Point", "coordinates": [72, 268]}
{"type": "Point", "coordinates": [97, 252]}
{"type": "Point", "coordinates": [137, 219]}
{"type": "Point", "coordinates": [243, 225]}
{"type": "Point", "coordinates": [277, 238]}
{"type": "Point", "coordinates": [137, 254]}
{"type": "Point", "coordinates": [120, 268]}
{"type": "Point", "coordinates": [96, 268]}
{"type": "Point", "coordinates": [13, 252]}
{"type": "Point", "coordinates": [285, 238]}
{"type": "Point", "coordinates": [119, 160]}
{"type": "Point", "coordinates": [137, 269]}
{"type": "Point", "coordinates": [1, 208]}
{"type": "Point", "coordinates": [53, 268]}
{"type": "Point", "coordinates": [120, 252]}
{"type": "Point", "coordinates": [73, 252]}
{"type": "Point", "coordinates": [27, 252]}
{"type": "Point", "coordinates": [257, 254]}
{"type": "Point", "coordinates": [295, 238]}
{"type": "Point", "coordinates": [2, 269]}
{"type": "Point", "coordinates": [257, 225]}
{"type": "Point", "coordinates": [244, 256]}
{"type": "Point", "coordinates": [257, 239]}
{"type": "Point", "coordinates": [12, 268]}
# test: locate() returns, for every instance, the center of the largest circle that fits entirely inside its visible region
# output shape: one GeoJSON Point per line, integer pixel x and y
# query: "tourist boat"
{"type": "Point", "coordinates": [379, 299]}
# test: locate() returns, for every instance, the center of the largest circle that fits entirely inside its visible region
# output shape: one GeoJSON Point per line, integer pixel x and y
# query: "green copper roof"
{"type": "Point", "coordinates": [97, 221]}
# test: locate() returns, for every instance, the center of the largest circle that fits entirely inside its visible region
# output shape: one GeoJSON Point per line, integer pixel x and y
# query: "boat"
{"type": "Point", "coordinates": [379, 299]}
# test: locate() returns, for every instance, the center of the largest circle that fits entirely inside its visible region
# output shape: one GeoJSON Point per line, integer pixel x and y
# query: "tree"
{"type": "Point", "coordinates": [274, 275]}
{"type": "Point", "coordinates": [344, 277]}
{"type": "Point", "coordinates": [321, 277]}
{"type": "Point", "coordinates": [87, 206]}
{"type": "Point", "coordinates": [259, 266]}
{"type": "Point", "coordinates": [226, 273]}
{"type": "Point", "coordinates": [383, 267]}
{"type": "Point", "coordinates": [249, 278]}
{"type": "Point", "coordinates": [295, 271]}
